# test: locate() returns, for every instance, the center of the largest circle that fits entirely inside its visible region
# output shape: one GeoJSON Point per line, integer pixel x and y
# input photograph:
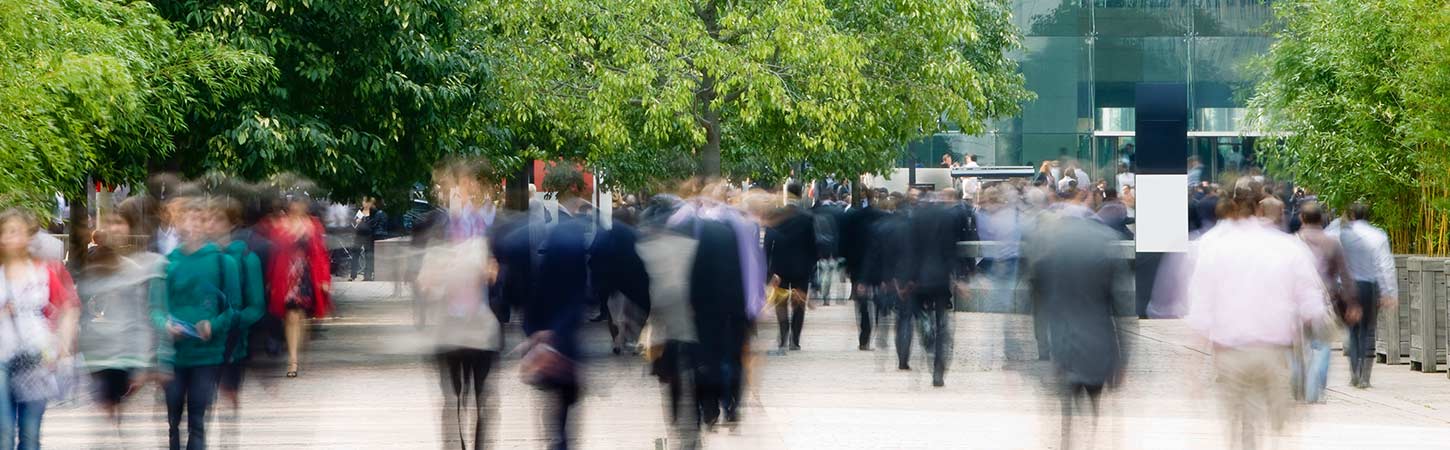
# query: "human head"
{"type": "Point", "coordinates": [972, 157]}
{"type": "Point", "coordinates": [949, 195]}
{"type": "Point", "coordinates": [1243, 201]}
{"type": "Point", "coordinates": [119, 224]}
{"type": "Point", "coordinates": [17, 228]}
{"type": "Point", "coordinates": [566, 180]}
{"type": "Point", "coordinates": [793, 189]}
{"type": "Point", "coordinates": [194, 221]}
{"type": "Point", "coordinates": [1110, 194]}
{"type": "Point", "coordinates": [1311, 214]}
{"type": "Point", "coordinates": [223, 215]}
{"type": "Point", "coordinates": [1358, 211]}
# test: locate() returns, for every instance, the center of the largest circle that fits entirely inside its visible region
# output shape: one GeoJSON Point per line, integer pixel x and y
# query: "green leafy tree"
{"type": "Point", "coordinates": [370, 94]}
{"type": "Point", "coordinates": [96, 88]}
{"type": "Point", "coordinates": [648, 89]}
{"type": "Point", "coordinates": [1361, 92]}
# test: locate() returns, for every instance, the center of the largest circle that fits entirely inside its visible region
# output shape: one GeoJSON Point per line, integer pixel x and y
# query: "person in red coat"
{"type": "Point", "coordinates": [298, 273]}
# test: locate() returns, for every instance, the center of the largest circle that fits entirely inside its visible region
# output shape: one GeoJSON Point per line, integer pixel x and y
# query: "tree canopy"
{"type": "Point", "coordinates": [650, 89]}
{"type": "Point", "coordinates": [98, 88]}
{"type": "Point", "coordinates": [369, 93]}
{"type": "Point", "coordinates": [1361, 92]}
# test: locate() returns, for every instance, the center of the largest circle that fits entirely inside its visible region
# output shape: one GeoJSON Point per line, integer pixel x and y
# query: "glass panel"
{"type": "Point", "coordinates": [1119, 64]}
{"type": "Point", "coordinates": [1135, 18]}
{"type": "Point", "coordinates": [1220, 75]}
{"type": "Point", "coordinates": [1233, 18]}
{"type": "Point", "coordinates": [1051, 17]}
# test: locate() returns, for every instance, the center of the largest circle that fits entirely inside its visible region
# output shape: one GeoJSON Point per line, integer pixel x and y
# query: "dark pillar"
{"type": "Point", "coordinates": [1162, 140]}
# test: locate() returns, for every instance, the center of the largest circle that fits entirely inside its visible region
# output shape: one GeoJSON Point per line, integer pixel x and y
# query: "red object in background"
{"type": "Point", "coordinates": [540, 167]}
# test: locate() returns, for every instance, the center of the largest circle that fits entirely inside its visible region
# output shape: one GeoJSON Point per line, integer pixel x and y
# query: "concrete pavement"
{"type": "Point", "coordinates": [367, 383]}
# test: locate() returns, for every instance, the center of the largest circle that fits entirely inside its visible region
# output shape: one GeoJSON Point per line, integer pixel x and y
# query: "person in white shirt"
{"type": "Point", "coordinates": [1251, 291]}
{"type": "Point", "coordinates": [1126, 177]}
{"type": "Point", "coordinates": [1371, 263]}
{"type": "Point", "coordinates": [971, 185]}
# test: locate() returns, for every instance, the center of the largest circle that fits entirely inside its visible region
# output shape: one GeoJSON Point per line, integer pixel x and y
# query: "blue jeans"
{"type": "Point", "coordinates": [191, 391]}
{"type": "Point", "coordinates": [1317, 373]}
{"type": "Point", "coordinates": [20, 419]}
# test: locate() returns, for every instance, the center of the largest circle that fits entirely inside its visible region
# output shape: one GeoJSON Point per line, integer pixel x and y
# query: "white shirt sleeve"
{"type": "Point", "coordinates": [1385, 263]}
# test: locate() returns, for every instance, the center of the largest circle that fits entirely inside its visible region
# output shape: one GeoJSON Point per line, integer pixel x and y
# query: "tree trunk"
{"type": "Point", "coordinates": [710, 154]}
{"type": "Point", "coordinates": [516, 195]}
{"type": "Point", "coordinates": [79, 232]}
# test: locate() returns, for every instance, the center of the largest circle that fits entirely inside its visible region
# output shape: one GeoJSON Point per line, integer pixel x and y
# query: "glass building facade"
{"type": "Point", "coordinates": [1084, 58]}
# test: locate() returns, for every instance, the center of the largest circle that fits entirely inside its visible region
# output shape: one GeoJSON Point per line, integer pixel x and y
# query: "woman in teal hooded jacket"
{"type": "Point", "coordinates": [197, 315]}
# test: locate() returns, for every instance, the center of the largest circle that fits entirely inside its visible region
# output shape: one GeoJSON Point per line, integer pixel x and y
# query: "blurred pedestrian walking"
{"type": "Point", "coordinates": [1372, 265]}
{"type": "Point", "coordinates": [1252, 290]}
{"type": "Point", "coordinates": [298, 271]}
{"type": "Point", "coordinates": [38, 321]}
{"type": "Point", "coordinates": [197, 315]}
{"type": "Point", "coordinates": [116, 288]}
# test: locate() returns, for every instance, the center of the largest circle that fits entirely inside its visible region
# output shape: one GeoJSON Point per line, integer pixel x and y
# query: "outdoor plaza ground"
{"type": "Point", "coordinates": [366, 383]}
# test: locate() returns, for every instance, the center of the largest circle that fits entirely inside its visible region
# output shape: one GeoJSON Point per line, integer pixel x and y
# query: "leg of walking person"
{"type": "Point", "coordinates": [797, 317]}
{"type": "Point", "coordinates": [1317, 371]}
{"type": "Point", "coordinates": [200, 394]}
{"type": "Point", "coordinates": [863, 300]}
{"type": "Point", "coordinates": [942, 343]}
{"type": "Point", "coordinates": [7, 410]}
{"type": "Point", "coordinates": [175, 391]}
{"type": "Point", "coordinates": [368, 261]}
{"type": "Point", "coordinates": [1361, 335]}
{"type": "Point", "coordinates": [450, 382]}
{"type": "Point", "coordinates": [905, 319]}
{"type": "Point", "coordinates": [295, 329]}
{"type": "Point", "coordinates": [568, 396]}
{"type": "Point", "coordinates": [27, 421]}
{"type": "Point", "coordinates": [482, 364]}
{"type": "Point", "coordinates": [782, 320]}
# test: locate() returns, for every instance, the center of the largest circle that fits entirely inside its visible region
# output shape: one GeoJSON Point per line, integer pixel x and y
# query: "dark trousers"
{"type": "Point", "coordinates": [934, 310]}
{"type": "Point", "coordinates": [462, 374]}
{"type": "Point", "coordinates": [864, 296]}
{"type": "Point", "coordinates": [362, 259]}
{"type": "Point", "coordinates": [1070, 397]}
{"type": "Point", "coordinates": [792, 323]}
{"type": "Point", "coordinates": [719, 368]}
{"type": "Point", "coordinates": [1361, 335]}
{"type": "Point", "coordinates": [676, 368]}
{"type": "Point", "coordinates": [566, 396]}
{"type": "Point", "coordinates": [192, 388]}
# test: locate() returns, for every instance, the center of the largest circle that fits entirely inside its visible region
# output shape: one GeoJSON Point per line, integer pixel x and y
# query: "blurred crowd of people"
{"type": "Point", "coordinates": [184, 282]}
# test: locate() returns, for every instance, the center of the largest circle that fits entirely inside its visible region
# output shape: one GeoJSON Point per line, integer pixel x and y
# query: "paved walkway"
{"type": "Point", "coordinates": [366, 384]}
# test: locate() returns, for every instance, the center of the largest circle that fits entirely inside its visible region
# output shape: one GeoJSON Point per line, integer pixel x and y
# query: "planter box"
{"type": "Point", "coordinates": [1392, 332]}
{"type": "Point", "coordinates": [1428, 314]}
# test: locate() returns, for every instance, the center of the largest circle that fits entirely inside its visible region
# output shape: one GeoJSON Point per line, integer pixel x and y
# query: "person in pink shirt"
{"type": "Point", "coordinates": [1252, 290]}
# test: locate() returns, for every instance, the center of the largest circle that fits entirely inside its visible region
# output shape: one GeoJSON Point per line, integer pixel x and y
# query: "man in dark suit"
{"type": "Point", "coordinates": [828, 216]}
{"type": "Point", "coordinates": [928, 280]}
{"type": "Point", "coordinates": [1072, 269]}
{"type": "Point", "coordinates": [857, 233]}
{"type": "Point", "coordinates": [790, 249]}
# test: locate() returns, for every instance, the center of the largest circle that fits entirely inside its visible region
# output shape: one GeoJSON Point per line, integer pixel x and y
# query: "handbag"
{"type": "Point", "coordinates": [543, 365]}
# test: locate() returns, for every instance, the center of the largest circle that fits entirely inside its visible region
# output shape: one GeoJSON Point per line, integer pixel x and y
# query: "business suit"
{"type": "Point", "coordinates": [1072, 269]}
{"type": "Point", "coordinates": [790, 248]}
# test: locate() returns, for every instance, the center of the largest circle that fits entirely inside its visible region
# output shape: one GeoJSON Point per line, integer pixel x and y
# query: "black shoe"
{"type": "Point", "coordinates": [864, 348]}
{"type": "Point", "coordinates": [795, 346]}
{"type": "Point", "coordinates": [938, 382]}
{"type": "Point", "coordinates": [903, 366]}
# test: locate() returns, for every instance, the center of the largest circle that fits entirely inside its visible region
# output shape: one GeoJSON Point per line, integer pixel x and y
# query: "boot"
{"type": "Point", "coordinates": [1366, 367]}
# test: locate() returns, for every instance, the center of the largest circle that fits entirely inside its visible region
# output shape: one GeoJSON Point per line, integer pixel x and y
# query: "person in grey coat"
{"type": "Point", "coordinates": [1072, 268]}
